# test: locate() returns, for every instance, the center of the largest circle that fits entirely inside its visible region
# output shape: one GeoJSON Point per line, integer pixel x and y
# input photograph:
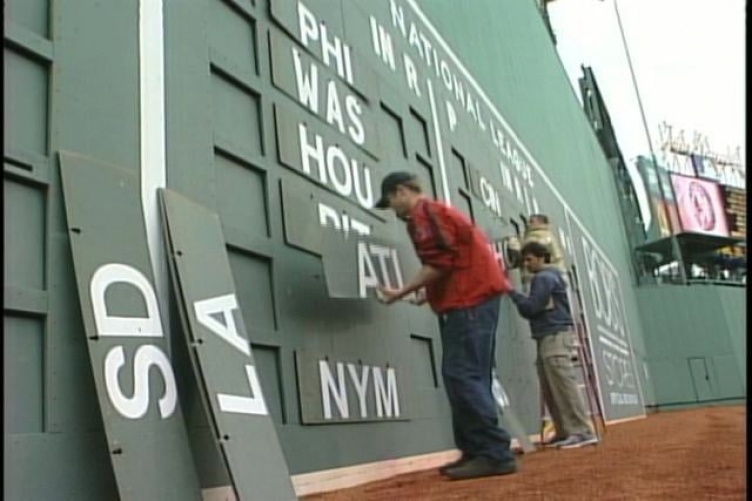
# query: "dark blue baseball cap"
{"type": "Point", "coordinates": [389, 185]}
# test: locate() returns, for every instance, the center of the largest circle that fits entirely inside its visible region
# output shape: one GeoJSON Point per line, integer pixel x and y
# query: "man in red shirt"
{"type": "Point", "coordinates": [463, 283]}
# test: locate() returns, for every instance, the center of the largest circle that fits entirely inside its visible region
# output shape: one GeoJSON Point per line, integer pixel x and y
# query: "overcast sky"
{"type": "Point", "coordinates": [688, 56]}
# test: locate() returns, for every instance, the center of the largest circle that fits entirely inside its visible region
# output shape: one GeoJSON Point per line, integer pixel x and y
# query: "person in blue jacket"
{"type": "Point", "coordinates": [547, 309]}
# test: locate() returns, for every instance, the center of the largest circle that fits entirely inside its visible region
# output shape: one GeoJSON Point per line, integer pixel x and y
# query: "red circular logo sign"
{"type": "Point", "coordinates": [701, 206]}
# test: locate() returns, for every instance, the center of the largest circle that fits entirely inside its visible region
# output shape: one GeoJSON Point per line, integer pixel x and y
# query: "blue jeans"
{"type": "Point", "coordinates": [468, 337]}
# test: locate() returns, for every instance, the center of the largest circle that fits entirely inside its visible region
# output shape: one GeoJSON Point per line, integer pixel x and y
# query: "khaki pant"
{"type": "Point", "coordinates": [558, 383]}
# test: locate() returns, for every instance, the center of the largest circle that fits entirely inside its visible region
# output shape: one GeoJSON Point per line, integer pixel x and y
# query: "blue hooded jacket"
{"type": "Point", "coordinates": [547, 306]}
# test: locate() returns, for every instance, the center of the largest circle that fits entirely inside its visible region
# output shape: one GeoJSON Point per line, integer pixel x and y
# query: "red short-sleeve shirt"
{"type": "Point", "coordinates": [445, 238]}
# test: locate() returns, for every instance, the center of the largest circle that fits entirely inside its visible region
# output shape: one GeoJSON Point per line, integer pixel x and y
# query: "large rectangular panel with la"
{"type": "Point", "coordinates": [220, 351]}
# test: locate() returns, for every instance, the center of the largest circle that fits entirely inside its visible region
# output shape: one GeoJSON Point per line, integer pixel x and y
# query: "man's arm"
{"type": "Point", "coordinates": [540, 294]}
{"type": "Point", "coordinates": [425, 276]}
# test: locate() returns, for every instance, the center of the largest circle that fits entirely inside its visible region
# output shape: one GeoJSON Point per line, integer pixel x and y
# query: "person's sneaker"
{"type": "Point", "coordinates": [554, 442]}
{"type": "Point", "coordinates": [578, 440]}
{"type": "Point", "coordinates": [458, 462]}
{"type": "Point", "coordinates": [482, 466]}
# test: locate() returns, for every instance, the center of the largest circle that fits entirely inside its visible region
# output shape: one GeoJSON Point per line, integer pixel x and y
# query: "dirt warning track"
{"type": "Point", "coordinates": [694, 454]}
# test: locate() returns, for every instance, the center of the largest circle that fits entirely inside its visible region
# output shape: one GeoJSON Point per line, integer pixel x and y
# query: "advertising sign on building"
{"type": "Point", "coordinates": [735, 204]}
{"type": "Point", "coordinates": [700, 206]}
{"type": "Point", "coordinates": [665, 216]}
{"type": "Point", "coordinates": [609, 334]}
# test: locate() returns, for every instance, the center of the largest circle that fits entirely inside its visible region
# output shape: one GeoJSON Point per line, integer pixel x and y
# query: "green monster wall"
{"type": "Point", "coordinates": [213, 100]}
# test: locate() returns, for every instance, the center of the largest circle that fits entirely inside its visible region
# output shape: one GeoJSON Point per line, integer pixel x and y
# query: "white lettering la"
{"type": "Point", "coordinates": [225, 305]}
{"type": "Point", "coordinates": [254, 404]}
{"type": "Point", "coordinates": [229, 332]}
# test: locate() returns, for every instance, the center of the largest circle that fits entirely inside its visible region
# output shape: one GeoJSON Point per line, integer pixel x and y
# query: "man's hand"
{"type": "Point", "coordinates": [418, 298]}
{"type": "Point", "coordinates": [387, 295]}
{"type": "Point", "coordinates": [425, 276]}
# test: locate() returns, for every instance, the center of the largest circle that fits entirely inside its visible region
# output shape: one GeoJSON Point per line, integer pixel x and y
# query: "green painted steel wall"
{"type": "Point", "coordinates": [72, 84]}
{"type": "Point", "coordinates": [71, 81]}
{"type": "Point", "coordinates": [697, 321]}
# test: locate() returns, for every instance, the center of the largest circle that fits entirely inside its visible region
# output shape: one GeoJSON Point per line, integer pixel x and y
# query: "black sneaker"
{"type": "Point", "coordinates": [458, 462]}
{"type": "Point", "coordinates": [482, 466]}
